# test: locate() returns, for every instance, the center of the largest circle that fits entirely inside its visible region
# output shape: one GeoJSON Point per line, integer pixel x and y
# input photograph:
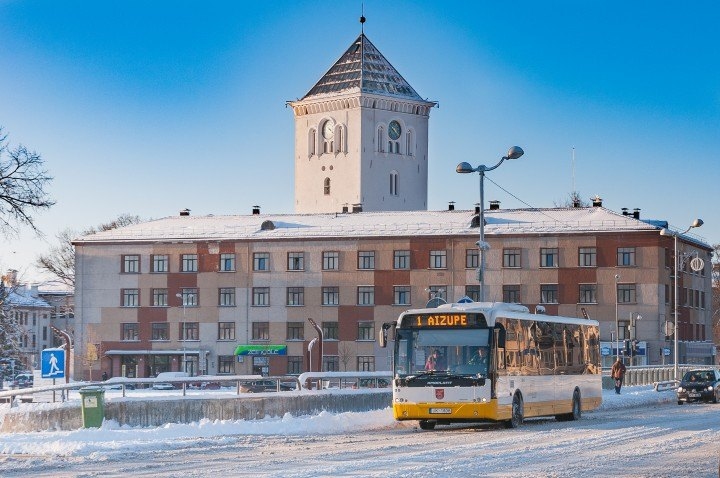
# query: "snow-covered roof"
{"type": "Point", "coordinates": [363, 69]}
{"type": "Point", "coordinates": [22, 298]}
{"type": "Point", "coordinates": [373, 224]}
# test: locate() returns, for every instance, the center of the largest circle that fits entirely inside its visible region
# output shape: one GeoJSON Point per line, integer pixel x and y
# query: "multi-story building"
{"type": "Point", "coordinates": [233, 294]}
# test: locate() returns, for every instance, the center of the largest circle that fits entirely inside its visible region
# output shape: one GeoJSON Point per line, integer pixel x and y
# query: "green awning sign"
{"type": "Point", "coordinates": [261, 350]}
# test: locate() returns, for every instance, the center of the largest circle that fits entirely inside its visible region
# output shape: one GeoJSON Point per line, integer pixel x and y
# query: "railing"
{"type": "Point", "coordinates": [327, 380]}
{"type": "Point", "coordinates": [662, 377]}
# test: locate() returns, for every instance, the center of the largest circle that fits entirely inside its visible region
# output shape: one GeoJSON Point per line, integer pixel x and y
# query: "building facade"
{"type": "Point", "coordinates": [234, 294]}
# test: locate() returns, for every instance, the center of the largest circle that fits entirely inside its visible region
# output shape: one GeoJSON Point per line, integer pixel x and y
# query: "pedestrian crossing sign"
{"type": "Point", "coordinates": [53, 363]}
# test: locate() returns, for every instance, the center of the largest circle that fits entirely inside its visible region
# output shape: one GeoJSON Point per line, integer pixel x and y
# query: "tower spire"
{"type": "Point", "coordinates": [362, 18]}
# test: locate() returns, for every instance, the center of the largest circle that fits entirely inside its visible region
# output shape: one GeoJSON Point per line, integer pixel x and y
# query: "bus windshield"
{"type": "Point", "coordinates": [457, 351]}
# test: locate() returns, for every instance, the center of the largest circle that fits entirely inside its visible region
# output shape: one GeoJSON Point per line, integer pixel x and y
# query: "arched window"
{"type": "Point", "coordinates": [326, 187]}
{"type": "Point", "coordinates": [410, 146]}
{"type": "Point", "coordinates": [312, 142]}
{"type": "Point", "coordinates": [340, 141]}
{"type": "Point", "coordinates": [380, 139]}
{"type": "Point", "coordinates": [393, 183]}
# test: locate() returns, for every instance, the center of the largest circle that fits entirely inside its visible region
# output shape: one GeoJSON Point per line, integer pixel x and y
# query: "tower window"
{"type": "Point", "coordinates": [312, 149]}
{"type": "Point", "coordinates": [380, 139]}
{"type": "Point", "coordinates": [326, 187]}
{"type": "Point", "coordinates": [394, 183]}
{"type": "Point", "coordinates": [410, 147]}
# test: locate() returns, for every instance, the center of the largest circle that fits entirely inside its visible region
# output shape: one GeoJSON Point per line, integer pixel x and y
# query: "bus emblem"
{"type": "Point", "coordinates": [439, 393]}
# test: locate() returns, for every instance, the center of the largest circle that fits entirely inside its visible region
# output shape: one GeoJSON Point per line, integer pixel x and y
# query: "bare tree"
{"type": "Point", "coordinates": [345, 355]}
{"type": "Point", "coordinates": [10, 330]}
{"type": "Point", "coordinates": [574, 199]}
{"type": "Point", "coordinates": [60, 260]}
{"type": "Point", "coordinates": [23, 179]}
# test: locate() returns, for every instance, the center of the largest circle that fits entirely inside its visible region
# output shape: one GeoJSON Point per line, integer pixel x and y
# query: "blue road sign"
{"type": "Point", "coordinates": [53, 363]}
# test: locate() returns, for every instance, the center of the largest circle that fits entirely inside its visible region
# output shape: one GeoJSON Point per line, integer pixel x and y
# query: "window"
{"type": "Point", "coordinates": [437, 291]}
{"type": "Point", "coordinates": [160, 263]}
{"type": "Point", "coordinates": [667, 294]}
{"type": "Point", "coordinates": [189, 297]}
{"type": "Point", "coordinates": [160, 331]}
{"type": "Point", "coordinates": [548, 257]}
{"type": "Point", "coordinates": [261, 331]}
{"type": "Point", "coordinates": [261, 261]}
{"type": "Point", "coordinates": [511, 257]}
{"type": "Point", "coordinates": [131, 264]}
{"type": "Point", "coordinates": [366, 330]}
{"type": "Point", "coordinates": [227, 297]}
{"type": "Point", "coordinates": [326, 187]}
{"type": "Point", "coordinates": [294, 364]}
{"type": "Point", "coordinates": [330, 330]}
{"type": "Point", "coordinates": [626, 256]}
{"type": "Point", "coordinates": [331, 363]}
{"type": "Point", "coordinates": [472, 258]}
{"type": "Point", "coordinates": [295, 261]}
{"type": "Point", "coordinates": [366, 260]}
{"type": "Point", "coordinates": [160, 297]}
{"type": "Point", "coordinates": [588, 294]}
{"type": "Point", "coordinates": [330, 296]}
{"type": "Point", "coordinates": [227, 262]}
{"type": "Point", "coordinates": [295, 296]}
{"type": "Point", "coordinates": [380, 139]}
{"type": "Point", "coordinates": [130, 331]}
{"type": "Point", "coordinates": [366, 295]}
{"type": "Point", "coordinates": [261, 296]}
{"type": "Point", "coordinates": [438, 259]}
{"type": "Point", "coordinates": [192, 331]}
{"type": "Point", "coordinates": [189, 263]}
{"type": "Point", "coordinates": [226, 330]}
{"type": "Point", "coordinates": [511, 294]}
{"type": "Point", "coordinates": [626, 293]}
{"type": "Point", "coordinates": [587, 257]}
{"type": "Point", "coordinates": [473, 291]}
{"type": "Point", "coordinates": [226, 364]}
{"type": "Point", "coordinates": [401, 259]}
{"type": "Point", "coordinates": [410, 146]}
{"type": "Point", "coordinates": [130, 298]}
{"type": "Point", "coordinates": [548, 293]}
{"type": "Point", "coordinates": [295, 331]}
{"type": "Point", "coordinates": [366, 363]}
{"type": "Point", "coordinates": [311, 142]}
{"type": "Point", "coordinates": [330, 260]}
{"type": "Point", "coordinates": [394, 183]}
{"type": "Point", "coordinates": [401, 295]}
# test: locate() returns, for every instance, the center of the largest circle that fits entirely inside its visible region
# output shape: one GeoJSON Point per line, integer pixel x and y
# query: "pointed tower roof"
{"type": "Point", "coordinates": [363, 69]}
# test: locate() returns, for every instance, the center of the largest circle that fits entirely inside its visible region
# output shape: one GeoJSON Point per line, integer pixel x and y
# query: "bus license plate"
{"type": "Point", "coordinates": [441, 410]}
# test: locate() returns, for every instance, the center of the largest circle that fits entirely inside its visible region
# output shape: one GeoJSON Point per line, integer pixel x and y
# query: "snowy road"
{"type": "Point", "coordinates": [645, 440]}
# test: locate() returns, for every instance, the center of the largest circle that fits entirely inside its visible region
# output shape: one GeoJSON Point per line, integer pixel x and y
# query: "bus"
{"type": "Point", "coordinates": [534, 365]}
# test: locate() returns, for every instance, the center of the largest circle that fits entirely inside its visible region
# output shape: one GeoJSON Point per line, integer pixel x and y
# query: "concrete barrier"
{"type": "Point", "coordinates": [153, 413]}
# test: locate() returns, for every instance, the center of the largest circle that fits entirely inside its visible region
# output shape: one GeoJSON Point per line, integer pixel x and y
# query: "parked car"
{"type": "Point", "coordinates": [699, 384]}
{"type": "Point", "coordinates": [116, 383]}
{"type": "Point", "coordinates": [23, 380]}
{"type": "Point", "coordinates": [258, 386]}
{"type": "Point", "coordinates": [373, 383]}
{"type": "Point", "coordinates": [166, 376]}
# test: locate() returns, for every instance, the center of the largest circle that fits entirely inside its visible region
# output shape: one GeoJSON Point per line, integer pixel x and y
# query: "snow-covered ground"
{"type": "Point", "coordinates": [638, 433]}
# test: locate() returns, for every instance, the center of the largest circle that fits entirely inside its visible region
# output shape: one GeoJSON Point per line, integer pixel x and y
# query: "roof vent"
{"type": "Point", "coordinates": [345, 208]}
{"type": "Point", "coordinates": [494, 205]}
{"type": "Point", "coordinates": [597, 201]}
{"type": "Point", "coordinates": [185, 212]}
{"type": "Point", "coordinates": [267, 226]}
{"type": "Point", "coordinates": [636, 213]}
{"type": "Point", "coordinates": [256, 210]}
{"type": "Point", "coordinates": [625, 211]}
{"type": "Point", "coordinates": [477, 208]}
{"type": "Point", "coordinates": [451, 206]}
{"type": "Point", "coordinates": [357, 207]}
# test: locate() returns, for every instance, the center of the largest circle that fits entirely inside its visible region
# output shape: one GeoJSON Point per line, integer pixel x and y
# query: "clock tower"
{"type": "Point", "coordinates": [361, 138]}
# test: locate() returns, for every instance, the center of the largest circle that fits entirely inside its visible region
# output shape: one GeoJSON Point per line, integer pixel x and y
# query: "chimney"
{"type": "Point", "coordinates": [256, 210]}
{"type": "Point", "coordinates": [477, 208]}
{"type": "Point", "coordinates": [597, 201]}
{"type": "Point", "coordinates": [494, 205]}
{"type": "Point", "coordinates": [357, 207]}
{"type": "Point", "coordinates": [636, 213]}
{"type": "Point", "coordinates": [451, 206]}
{"type": "Point", "coordinates": [185, 212]}
{"type": "Point", "coordinates": [625, 211]}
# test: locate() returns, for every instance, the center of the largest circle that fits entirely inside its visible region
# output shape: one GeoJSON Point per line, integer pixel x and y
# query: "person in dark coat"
{"type": "Point", "coordinates": [617, 372]}
{"type": "Point", "coordinates": [104, 376]}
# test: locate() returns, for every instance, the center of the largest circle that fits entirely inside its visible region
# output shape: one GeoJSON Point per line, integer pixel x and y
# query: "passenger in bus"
{"type": "Point", "coordinates": [480, 358]}
{"type": "Point", "coordinates": [432, 361]}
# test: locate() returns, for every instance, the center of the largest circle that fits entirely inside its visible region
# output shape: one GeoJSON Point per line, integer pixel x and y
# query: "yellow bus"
{"type": "Point", "coordinates": [497, 362]}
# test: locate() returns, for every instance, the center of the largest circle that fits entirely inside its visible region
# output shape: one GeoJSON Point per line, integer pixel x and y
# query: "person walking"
{"type": "Point", "coordinates": [617, 372]}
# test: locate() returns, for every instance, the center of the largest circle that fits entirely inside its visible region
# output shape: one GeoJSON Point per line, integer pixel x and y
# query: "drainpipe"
{"type": "Point", "coordinates": [320, 340]}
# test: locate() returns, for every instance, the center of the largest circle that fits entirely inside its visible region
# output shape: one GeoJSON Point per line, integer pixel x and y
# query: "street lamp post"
{"type": "Point", "coordinates": [464, 168]}
{"type": "Point", "coordinates": [182, 333]}
{"type": "Point", "coordinates": [675, 234]}
{"type": "Point", "coordinates": [617, 323]}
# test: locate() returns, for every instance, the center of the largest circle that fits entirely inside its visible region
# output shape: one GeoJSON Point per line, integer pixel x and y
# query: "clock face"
{"type": "Point", "coordinates": [328, 129]}
{"type": "Point", "coordinates": [394, 130]}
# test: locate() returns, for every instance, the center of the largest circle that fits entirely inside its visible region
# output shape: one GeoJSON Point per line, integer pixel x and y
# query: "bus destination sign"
{"type": "Point", "coordinates": [441, 320]}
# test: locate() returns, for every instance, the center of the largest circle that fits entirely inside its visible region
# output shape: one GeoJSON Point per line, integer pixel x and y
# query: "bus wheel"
{"type": "Point", "coordinates": [427, 424]}
{"type": "Point", "coordinates": [576, 409]}
{"type": "Point", "coordinates": [516, 417]}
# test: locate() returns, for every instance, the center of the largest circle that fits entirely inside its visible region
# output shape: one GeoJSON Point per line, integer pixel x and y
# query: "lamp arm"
{"type": "Point", "coordinates": [485, 169]}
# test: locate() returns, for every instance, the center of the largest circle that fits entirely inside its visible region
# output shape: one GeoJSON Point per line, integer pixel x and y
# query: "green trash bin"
{"type": "Point", "coordinates": [93, 406]}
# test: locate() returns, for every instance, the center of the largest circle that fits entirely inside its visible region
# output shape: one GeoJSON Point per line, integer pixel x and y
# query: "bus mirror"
{"type": "Point", "coordinates": [384, 334]}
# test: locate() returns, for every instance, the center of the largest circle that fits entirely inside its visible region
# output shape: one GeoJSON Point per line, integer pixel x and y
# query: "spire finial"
{"type": "Point", "coordinates": [362, 18]}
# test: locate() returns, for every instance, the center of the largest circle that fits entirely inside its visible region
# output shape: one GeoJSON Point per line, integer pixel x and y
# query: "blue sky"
{"type": "Point", "coordinates": [147, 108]}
